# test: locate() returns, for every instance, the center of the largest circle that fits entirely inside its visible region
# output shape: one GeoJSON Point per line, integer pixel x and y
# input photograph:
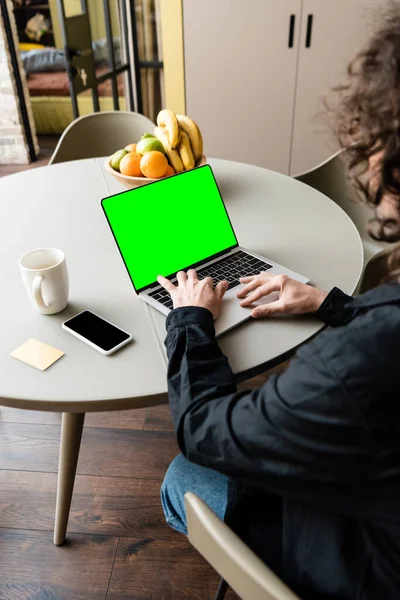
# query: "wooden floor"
{"type": "Point", "coordinates": [118, 546]}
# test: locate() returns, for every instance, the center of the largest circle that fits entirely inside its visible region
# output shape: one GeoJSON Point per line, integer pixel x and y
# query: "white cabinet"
{"type": "Point", "coordinates": [240, 76]}
{"type": "Point", "coordinates": [331, 34]}
{"type": "Point", "coordinates": [257, 71]}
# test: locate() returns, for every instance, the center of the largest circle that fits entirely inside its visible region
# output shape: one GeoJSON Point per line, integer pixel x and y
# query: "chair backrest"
{"type": "Point", "coordinates": [246, 574]}
{"type": "Point", "coordinates": [100, 134]}
{"type": "Point", "coordinates": [331, 178]}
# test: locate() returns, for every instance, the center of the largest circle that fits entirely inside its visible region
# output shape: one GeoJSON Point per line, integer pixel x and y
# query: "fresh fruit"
{"type": "Point", "coordinates": [116, 158]}
{"type": "Point", "coordinates": [185, 152]}
{"type": "Point", "coordinates": [149, 144]}
{"type": "Point", "coordinates": [173, 155]}
{"type": "Point", "coordinates": [177, 140]}
{"type": "Point", "coordinates": [191, 128]}
{"type": "Point", "coordinates": [170, 171]}
{"type": "Point", "coordinates": [166, 118]}
{"type": "Point", "coordinates": [130, 165]}
{"type": "Point", "coordinates": [154, 164]}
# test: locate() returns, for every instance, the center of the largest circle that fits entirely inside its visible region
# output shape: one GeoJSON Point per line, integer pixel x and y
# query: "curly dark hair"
{"type": "Point", "coordinates": [366, 119]}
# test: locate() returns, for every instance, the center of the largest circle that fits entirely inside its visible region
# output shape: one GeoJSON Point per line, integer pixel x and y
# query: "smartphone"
{"type": "Point", "coordinates": [103, 336]}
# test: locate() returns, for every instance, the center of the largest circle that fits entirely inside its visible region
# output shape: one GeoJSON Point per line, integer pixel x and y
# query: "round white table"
{"type": "Point", "coordinates": [59, 206]}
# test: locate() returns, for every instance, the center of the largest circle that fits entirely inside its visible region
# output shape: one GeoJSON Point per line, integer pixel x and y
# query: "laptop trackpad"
{"type": "Point", "coordinates": [232, 313]}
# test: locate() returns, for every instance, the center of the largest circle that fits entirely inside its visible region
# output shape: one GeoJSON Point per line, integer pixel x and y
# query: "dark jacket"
{"type": "Point", "coordinates": [324, 436]}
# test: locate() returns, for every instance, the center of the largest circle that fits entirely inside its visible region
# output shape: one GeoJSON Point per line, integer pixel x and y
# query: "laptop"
{"type": "Point", "coordinates": [180, 223]}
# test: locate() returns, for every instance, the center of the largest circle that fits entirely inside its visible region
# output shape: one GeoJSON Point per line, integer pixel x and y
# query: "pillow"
{"type": "Point", "coordinates": [49, 60]}
{"type": "Point", "coordinates": [31, 46]}
{"type": "Point", "coordinates": [43, 61]}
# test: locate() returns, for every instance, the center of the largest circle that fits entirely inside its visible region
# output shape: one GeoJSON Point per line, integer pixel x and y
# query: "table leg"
{"type": "Point", "coordinates": [71, 434]}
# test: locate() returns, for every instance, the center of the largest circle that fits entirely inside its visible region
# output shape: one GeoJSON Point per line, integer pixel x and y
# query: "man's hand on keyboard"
{"type": "Point", "coordinates": [295, 298]}
{"type": "Point", "coordinates": [191, 291]}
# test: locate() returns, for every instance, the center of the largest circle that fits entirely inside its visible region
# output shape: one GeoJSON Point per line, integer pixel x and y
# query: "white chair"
{"type": "Point", "coordinates": [100, 134]}
{"type": "Point", "coordinates": [238, 566]}
{"type": "Point", "coordinates": [331, 178]}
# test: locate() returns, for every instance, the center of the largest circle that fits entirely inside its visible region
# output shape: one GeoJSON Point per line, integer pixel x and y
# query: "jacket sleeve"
{"type": "Point", "coordinates": [300, 434]}
{"type": "Point", "coordinates": [336, 309]}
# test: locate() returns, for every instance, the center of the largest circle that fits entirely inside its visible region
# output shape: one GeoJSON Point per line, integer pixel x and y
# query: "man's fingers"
{"type": "Point", "coordinates": [221, 289]}
{"type": "Point", "coordinates": [166, 283]}
{"type": "Point", "coordinates": [268, 310]}
{"type": "Point", "coordinates": [181, 277]}
{"type": "Point", "coordinates": [253, 281]}
{"type": "Point", "coordinates": [254, 284]}
{"type": "Point", "coordinates": [260, 292]}
{"type": "Point", "coordinates": [247, 279]}
{"type": "Point", "coordinates": [192, 275]}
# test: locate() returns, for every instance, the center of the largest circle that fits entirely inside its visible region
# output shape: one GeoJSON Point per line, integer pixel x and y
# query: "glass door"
{"type": "Point", "coordinates": [96, 62]}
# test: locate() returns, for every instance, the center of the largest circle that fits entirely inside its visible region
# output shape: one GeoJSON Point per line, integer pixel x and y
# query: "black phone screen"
{"type": "Point", "coordinates": [96, 330]}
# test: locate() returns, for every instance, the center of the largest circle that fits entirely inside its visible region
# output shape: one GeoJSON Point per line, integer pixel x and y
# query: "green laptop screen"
{"type": "Point", "coordinates": [166, 226]}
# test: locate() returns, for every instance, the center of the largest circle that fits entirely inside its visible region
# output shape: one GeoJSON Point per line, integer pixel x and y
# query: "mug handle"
{"type": "Point", "coordinates": [37, 293]}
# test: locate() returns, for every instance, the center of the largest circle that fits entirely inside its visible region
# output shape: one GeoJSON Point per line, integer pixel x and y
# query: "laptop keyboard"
{"type": "Point", "coordinates": [230, 269]}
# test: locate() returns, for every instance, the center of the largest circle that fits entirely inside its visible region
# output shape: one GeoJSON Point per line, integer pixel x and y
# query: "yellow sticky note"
{"type": "Point", "coordinates": [37, 354]}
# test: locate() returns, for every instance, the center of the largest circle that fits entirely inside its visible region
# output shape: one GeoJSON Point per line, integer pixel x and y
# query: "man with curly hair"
{"type": "Point", "coordinates": [307, 468]}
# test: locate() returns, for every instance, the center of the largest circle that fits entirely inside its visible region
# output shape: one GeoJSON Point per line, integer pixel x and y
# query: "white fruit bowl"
{"type": "Point", "coordinates": [132, 182]}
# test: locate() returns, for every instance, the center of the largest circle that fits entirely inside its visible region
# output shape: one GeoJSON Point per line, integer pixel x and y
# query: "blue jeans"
{"type": "Point", "coordinates": [183, 476]}
{"type": "Point", "coordinates": [212, 487]}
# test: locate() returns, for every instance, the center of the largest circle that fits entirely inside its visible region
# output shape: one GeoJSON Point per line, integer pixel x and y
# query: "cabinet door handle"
{"type": "Point", "coordinates": [292, 26]}
{"type": "Point", "coordinates": [310, 21]}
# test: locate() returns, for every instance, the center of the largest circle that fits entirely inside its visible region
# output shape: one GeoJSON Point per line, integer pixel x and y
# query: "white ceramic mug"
{"type": "Point", "coordinates": [45, 275]}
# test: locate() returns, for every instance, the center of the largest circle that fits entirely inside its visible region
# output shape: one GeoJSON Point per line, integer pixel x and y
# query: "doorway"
{"type": "Point", "coordinates": [84, 56]}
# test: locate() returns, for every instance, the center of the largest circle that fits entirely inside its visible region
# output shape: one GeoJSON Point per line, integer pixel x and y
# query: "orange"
{"type": "Point", "coordinates": [130, 164]}
{"type": "Point", "coordinates": [153, 164]}
{"type": "Point", "coordinates": [170, 171]}
{"type": "Point", "coordinates": [131, 147]}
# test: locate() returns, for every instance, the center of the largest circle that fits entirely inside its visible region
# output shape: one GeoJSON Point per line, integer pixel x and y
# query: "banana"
{"type": "Point", "coordinates": [192, 129]}
{"type": "Point", "coordinates": [185, 152]}
{"type": "Point", "coordinates": [173, 155]}
{"type": "Point", "coordinates": [167, 119]}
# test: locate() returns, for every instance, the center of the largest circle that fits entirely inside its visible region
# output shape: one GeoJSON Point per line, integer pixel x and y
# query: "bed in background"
{"type": "Point", "coordinates": [47, 81]}
{"type": "Point", "coordinates": [51, 103]}
{"type": "Point", "coordinates": [53, 114]}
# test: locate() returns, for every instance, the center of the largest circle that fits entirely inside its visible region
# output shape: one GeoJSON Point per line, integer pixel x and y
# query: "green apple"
{"type": "Point", "coordinates": [148, 145]}
{"type": "Point", "coordinates": [147, 135]}
{"type": "Point", "coordinates": [116, 158]}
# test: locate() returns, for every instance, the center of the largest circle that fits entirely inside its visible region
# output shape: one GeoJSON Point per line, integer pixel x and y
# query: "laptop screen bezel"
{"type": "Point", "coordinates": [193, 266]}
